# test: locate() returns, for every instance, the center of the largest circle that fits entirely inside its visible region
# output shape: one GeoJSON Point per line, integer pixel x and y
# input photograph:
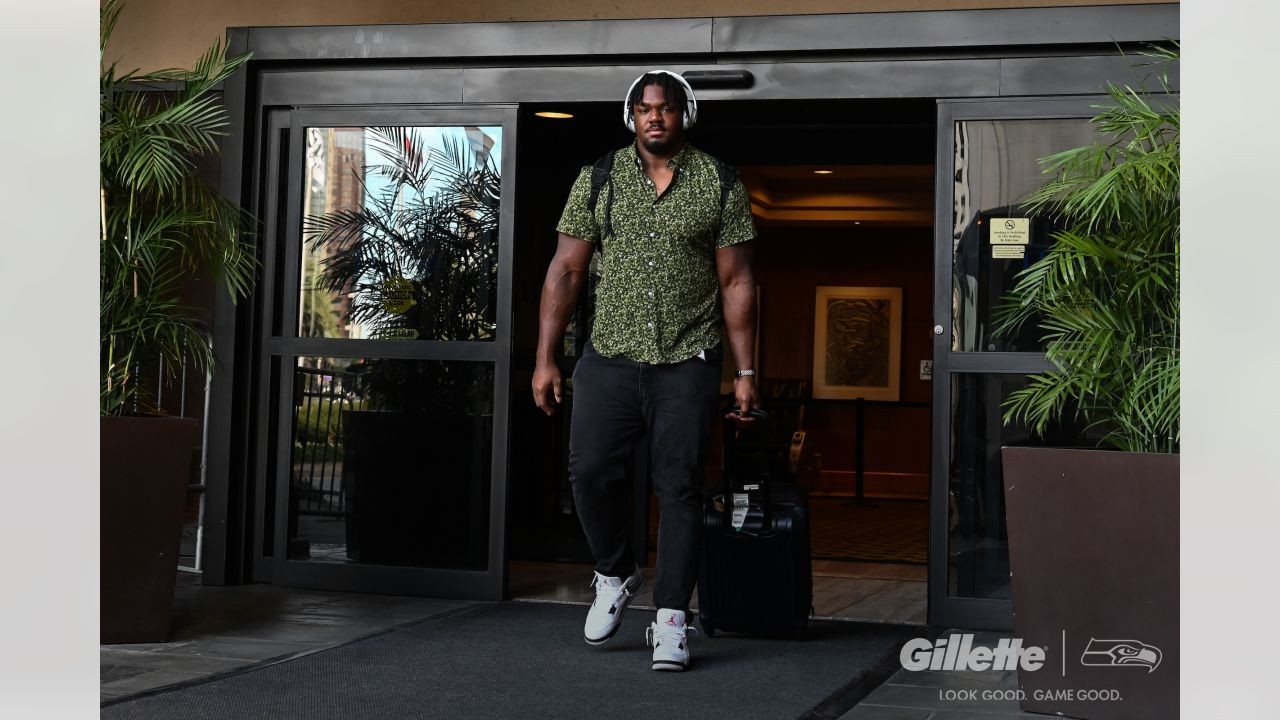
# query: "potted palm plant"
{"type": "Point", "coordinates": [1093, 532]}
{"type": "Point", "coordinates": [158, 224]}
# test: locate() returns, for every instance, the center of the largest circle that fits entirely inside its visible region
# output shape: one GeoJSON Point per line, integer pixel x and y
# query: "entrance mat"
{"type": "Point", "coordinates": [528, 660]}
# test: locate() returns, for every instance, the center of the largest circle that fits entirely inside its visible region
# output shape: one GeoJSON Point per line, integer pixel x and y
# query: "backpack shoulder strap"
{"type": "Point", "coordinates": [728, 178]}
{"type": "Point", "coordinates": [601, 170]}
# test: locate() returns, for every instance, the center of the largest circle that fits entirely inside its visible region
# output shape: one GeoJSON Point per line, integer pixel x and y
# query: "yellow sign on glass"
{"type": "Point", "coordinates": [1010, 231]}
{"type": "Point", "coordinates": [396, 334]}
{"type": "Point", "coordinates": [397, 295]}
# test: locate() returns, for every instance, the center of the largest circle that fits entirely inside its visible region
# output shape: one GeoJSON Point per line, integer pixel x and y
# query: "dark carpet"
{"type": "Point", "coordinates": [527, 660]}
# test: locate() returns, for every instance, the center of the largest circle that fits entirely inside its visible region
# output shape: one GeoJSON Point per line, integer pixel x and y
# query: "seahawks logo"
{"type": "Point", "coordinates": [1116, 653]}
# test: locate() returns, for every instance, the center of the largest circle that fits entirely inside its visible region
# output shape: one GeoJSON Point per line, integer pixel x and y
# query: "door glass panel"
{"type": "Point", "coordinates": [400, 232]}
{"type": "Point", "coordinates": [996, 167]}
{"type": "Point", "coordinates": [390, 462]}
{"type": "Point", "coordinates": [977, 539]}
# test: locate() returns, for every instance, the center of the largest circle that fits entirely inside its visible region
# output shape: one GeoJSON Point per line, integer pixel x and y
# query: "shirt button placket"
{"type": "Point", "coordinates": [653, 309]}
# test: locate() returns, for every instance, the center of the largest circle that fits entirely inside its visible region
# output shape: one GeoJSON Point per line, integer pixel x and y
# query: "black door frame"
{"type": "Point", "coordinates": [944, 609]}
{"type": "Point", "coordinates": [278, 312]}
{"type": "Point", "coordinates": [1064, 51]}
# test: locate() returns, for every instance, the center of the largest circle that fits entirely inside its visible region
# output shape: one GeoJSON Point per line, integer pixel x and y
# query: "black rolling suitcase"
{"type": "Point", "coordinates": [756, 575]}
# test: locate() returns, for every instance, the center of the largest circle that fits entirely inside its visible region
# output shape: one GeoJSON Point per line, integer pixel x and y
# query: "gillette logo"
{"type": "Point", "coordinates": [957, 653]}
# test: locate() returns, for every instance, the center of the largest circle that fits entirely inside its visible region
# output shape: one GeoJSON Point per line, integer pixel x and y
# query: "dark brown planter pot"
{"type": "Point", "coordinates": [1093, 550]}
{"type": "Point", "coordinates": [145, 467]}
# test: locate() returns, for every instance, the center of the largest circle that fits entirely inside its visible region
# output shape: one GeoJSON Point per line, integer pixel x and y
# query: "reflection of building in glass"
{"type": "Point", "coordinates": [401, 231]}
{"type": "Point", "coordinates": [335, 164]}
{"type": "Point", "coordinates": [481, 144]}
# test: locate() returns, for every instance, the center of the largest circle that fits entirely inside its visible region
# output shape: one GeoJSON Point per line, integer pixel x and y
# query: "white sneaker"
{"type": "Point", "coordinates": [669, 639]}
{"type": "Point", "coordinates": [612, 596]}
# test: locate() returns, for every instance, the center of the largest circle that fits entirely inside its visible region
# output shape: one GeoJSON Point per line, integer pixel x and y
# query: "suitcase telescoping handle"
{"type": "Point", "coordinates": [731, 428]}
{"type": "Point", "coordinates": [753, 412]}
{"type": "Point", "coordinates": [730, 437]}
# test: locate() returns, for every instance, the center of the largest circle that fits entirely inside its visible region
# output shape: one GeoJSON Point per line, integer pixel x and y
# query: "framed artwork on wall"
{"type": "Point", "coordinates": [857, 343]}
{"type": "Point", "coordinates": [728, 368]}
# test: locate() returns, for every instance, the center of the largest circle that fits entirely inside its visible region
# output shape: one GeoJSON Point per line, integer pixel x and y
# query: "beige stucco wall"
{"type": "Point", "coordinates": [154, 34]}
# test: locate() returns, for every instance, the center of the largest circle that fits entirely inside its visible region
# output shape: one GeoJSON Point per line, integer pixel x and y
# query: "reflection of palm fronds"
{"type": "Point", "coordinates": [858, 342]}
{"type": "Point", "coordinates": [434, 227]}
{"type": "Point", "coordinates": [1106, 294]}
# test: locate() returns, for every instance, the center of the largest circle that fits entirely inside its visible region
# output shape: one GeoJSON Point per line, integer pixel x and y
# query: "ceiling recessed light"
{"type": "Point", "coordinates": [555, 115]}
{"type": "Point", "coordinates": [823, 172]}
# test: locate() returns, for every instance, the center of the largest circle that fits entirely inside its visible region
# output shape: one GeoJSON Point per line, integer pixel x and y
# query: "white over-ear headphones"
{"type": "Point", "coordinates": [690, 106]}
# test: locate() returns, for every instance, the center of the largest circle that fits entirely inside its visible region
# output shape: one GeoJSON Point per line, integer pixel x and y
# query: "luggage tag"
{"type": "Point", "coordinates": [740, 508]}
{"type": "Point", "coordinates": [747, 519]}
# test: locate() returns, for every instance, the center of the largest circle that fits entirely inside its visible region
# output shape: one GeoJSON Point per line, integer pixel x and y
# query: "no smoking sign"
{"type": "Point", "coordinates": [1010, 231]}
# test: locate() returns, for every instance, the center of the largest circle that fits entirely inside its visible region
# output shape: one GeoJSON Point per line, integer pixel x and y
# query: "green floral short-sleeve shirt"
{"type": "Point", "coordinates": [658, 300]}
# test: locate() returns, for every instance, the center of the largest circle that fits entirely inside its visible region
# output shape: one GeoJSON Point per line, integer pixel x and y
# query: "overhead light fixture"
{"type": "Point", "coordinates": [719, 78]}
{"type": "Point", "coordinates": [555, 115]}
{"type": "Point", "coordinates": [857, 222]}
{"type": "Point", "coordinates": [823, 172]}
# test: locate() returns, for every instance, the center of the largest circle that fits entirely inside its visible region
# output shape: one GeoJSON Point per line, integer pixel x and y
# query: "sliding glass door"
{"type": "Point", "coordinates": [988, 161]}
{"type": "Point", "coordinates": [386, 349]}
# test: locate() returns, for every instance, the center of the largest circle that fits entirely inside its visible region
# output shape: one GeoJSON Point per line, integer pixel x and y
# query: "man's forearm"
{"type": "Point", "coordinates": [559, 299]}
{"type": "Point", "coordinates": [740, 321]}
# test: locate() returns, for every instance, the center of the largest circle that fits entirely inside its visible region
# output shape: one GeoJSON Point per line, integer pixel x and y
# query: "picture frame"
{"type": "Point", "coordinates": [728, 367]}
{"type": "Point", "coordinates": [857, 343]}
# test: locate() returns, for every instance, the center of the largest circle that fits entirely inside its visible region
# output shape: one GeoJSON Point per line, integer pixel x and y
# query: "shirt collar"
{"type": "Point", "coordinates": [678, 162]}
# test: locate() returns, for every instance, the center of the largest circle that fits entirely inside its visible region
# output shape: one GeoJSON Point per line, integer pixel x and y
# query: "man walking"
{"type": "Point", "coordinates": [672, 225]}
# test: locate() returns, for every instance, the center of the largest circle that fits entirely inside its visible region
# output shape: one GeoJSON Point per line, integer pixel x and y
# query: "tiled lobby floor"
{"type": "Point", "coordinates": [879, 530]}
{"type": "Point", "coordinates": [841, 590]}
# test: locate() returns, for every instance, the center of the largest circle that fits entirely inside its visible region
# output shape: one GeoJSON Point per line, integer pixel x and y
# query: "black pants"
{"type": "Point", "coordinates": [616, 402]}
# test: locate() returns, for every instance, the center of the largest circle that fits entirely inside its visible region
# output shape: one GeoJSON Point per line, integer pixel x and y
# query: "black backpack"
{"type": "Point", "coordinates": [602, 169]}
